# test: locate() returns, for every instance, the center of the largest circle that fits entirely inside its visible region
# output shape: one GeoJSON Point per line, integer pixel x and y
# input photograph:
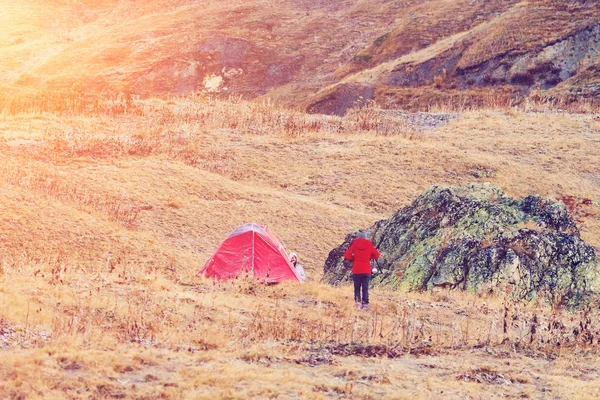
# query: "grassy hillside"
{"type": "Point", "coordinates": [129, 150]}
{"type": "Point", "coordinates": [486, 52]}
{"type": "Point", "coordinates": [160, 47]}
{"type": "Point", "coordinates": [106, 218]}
{"type": "Point", "coordinates": [321, 56]}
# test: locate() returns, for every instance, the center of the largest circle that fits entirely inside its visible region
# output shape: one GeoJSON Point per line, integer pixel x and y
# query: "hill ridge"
{"type": "Point", "coordinates": [295, 53]}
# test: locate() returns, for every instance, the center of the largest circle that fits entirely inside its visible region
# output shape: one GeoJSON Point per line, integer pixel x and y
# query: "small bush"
{"type": "Point", "coordinates": [522, 79]}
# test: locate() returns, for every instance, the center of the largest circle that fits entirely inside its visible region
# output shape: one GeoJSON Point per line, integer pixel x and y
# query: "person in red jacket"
{"type": "Point", "coordinates": [361, 252]}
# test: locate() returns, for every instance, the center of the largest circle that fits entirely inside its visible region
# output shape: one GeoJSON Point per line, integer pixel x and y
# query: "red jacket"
{"type": "Point", "coordinates": [361, 251]}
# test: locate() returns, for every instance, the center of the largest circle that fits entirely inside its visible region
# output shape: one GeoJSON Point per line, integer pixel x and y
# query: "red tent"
{"type": "Point", "coordinates": [250, 248]}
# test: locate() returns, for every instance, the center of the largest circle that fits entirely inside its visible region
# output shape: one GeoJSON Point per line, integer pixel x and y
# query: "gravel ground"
{"type": "Point", "coordinates": [422, 121]}
{"type": "Point", "coordinates": [11, 336]}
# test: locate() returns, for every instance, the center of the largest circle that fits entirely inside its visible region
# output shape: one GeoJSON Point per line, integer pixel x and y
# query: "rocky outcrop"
{"type": "Point", "coordinates": [476, 238]}
{"type": "Point", "coordinates": [545, 67]}
{"type": "Point", "coordinates": [523, 49]}
{"type": "Point", "coordinates": [343, 98]}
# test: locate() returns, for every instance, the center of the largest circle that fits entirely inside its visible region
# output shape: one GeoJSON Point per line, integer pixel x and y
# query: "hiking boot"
{"type": "Point", "coordinates": [365, 307]}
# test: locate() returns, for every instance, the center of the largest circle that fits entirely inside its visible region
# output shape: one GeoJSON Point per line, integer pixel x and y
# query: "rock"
{"type": "Point", "coordinates": [421, 121]}
{"type": "Point", "coordinates": [476, 238]}
{"type": "Point", "coordinates": [342, 98]}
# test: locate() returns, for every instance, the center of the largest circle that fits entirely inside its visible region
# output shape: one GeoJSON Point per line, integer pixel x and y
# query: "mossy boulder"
{"type": "Point", "coordinates": [476, 238]}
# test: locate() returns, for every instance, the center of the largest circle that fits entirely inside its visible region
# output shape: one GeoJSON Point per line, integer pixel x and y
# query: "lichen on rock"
{"type": "Point", "coordinates": [477, 239]}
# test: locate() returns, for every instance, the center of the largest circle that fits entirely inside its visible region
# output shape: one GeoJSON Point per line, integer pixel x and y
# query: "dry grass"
{"type": "Point", "coordinates": [107, 216]}
{"type": "Point", "coordinates": [282, 51]}
{"type": "Point", "coordinates": [521, 28]}
{"type": "Point", "coordinates": [443, 53]}
{"type": "Point", "coordinates": [111, 203]}
{"type": "Point", "coordinates": [166, 46]}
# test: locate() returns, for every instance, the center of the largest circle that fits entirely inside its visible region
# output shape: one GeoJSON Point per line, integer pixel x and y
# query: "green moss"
{"type": "Point", "coordinates": [481, 192]}
{"type": "Point", "coordinates": [416, 274]}
{"type": "Point", "coordinates": [379, 41]}
{"type": "Point", "coordinates": [362, 58]}
{"type": "Point", "coordinates": [485, 221]}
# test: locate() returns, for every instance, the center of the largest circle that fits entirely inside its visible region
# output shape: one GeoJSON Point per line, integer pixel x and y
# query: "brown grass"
{"type": "Point", "coordinates": [437, 53]}
{"type": "Point", "coordinates": [169, 47]}
{"type": "Point", "coordinates": [106, 218]}
{"type": "Point", "coordinates": [165, 46]}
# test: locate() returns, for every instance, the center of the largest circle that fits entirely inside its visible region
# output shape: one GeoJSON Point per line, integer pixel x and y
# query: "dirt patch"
{"type": "Point", "coordinates": [486, 376]}
{"type": "Point", "coordinates": [422, 121]}
{"type": "Point", "coordinates": [11, 336]}
{"type": "Point", "coordinates": [110, 391]}
{"type": "Point", "coordinates": [343, 98]}
{"type": "Point", "coordinates": [323, 351]}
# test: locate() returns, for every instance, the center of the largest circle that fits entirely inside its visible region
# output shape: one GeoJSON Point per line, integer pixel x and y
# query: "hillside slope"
{"type": "Point", "coordinates": [106, 219]}
{"type": "Point", "coordinates": [323, 56]}
{"type": "Point", "coordinates": [311, 178]}
{"type": "Point", "coordinates": [479, 49]}
{"type": "Point", "coordinates": [160, 47]}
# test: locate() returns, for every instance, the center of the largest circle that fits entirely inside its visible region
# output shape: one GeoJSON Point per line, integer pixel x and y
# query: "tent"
{"type": "Point", "coordinates": [251, 249]}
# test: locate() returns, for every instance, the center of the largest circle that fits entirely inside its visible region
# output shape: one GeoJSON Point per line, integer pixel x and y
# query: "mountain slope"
{"type": "Point", "coordinates": [105, 220]}
{"type": "Point", "coordinates": [520, 47]}
{"type": "Point", "coordinates": [178, 178]}
{"type": "Point", "coordinates": [173, 46]}
{"type": "Point", "coordinates": [323, 56]}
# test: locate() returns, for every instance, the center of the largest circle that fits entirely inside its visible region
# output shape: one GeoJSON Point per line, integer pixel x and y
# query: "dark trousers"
{"type": "Point", "coordinates": [361, 281]}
